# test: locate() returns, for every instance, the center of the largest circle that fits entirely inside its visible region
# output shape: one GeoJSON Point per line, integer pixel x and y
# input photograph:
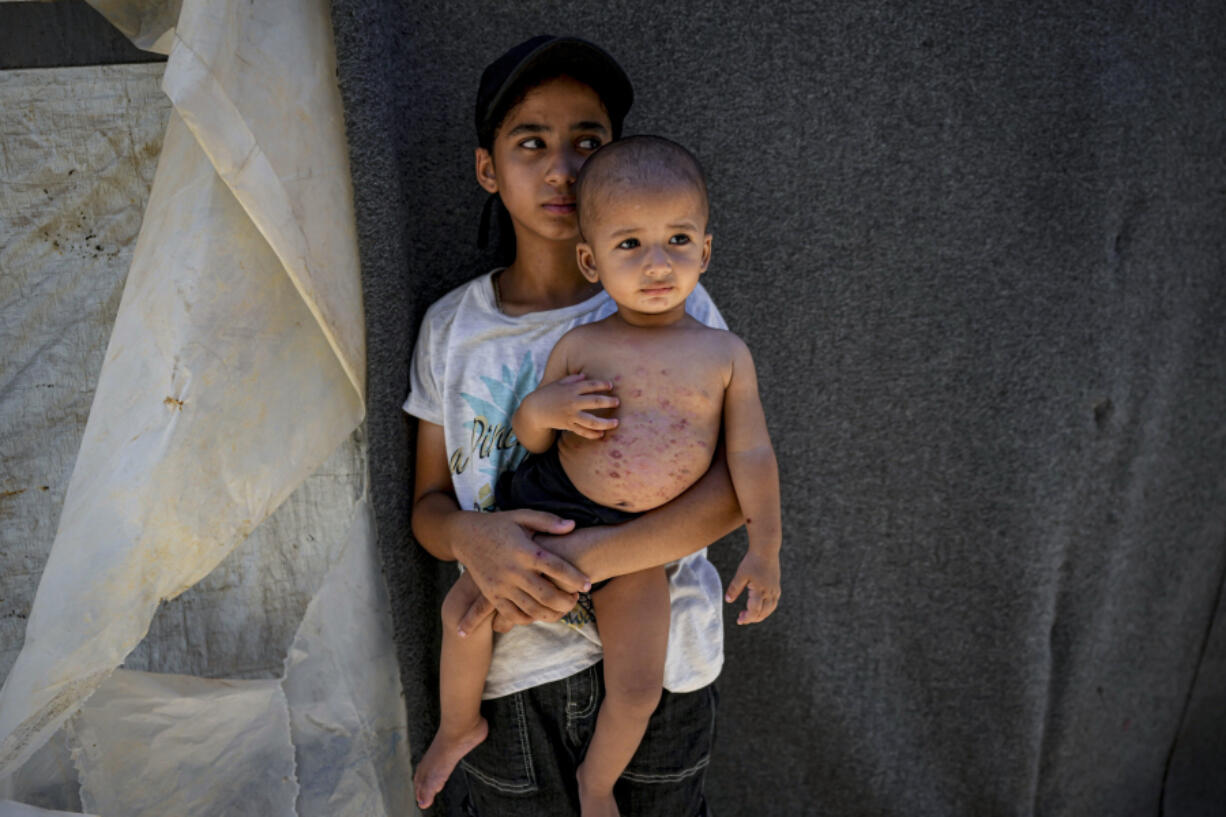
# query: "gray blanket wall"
{"type": "Point", "coordinates": [980, 256]}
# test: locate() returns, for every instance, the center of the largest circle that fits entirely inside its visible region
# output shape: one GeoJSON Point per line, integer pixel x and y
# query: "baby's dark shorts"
{"type": "Point", "coordinates": [540, 483]}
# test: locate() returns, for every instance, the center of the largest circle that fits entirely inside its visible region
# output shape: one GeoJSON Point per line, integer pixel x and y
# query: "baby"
{"type": "Point", "coordinates": [640, 397]}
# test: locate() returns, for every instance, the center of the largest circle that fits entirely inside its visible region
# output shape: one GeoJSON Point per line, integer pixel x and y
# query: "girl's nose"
{"type": "Point", "coordinates": [563, 166]}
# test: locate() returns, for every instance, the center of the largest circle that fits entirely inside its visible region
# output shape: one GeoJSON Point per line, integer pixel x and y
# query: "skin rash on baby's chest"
{"type": "Point", "coordinates": [671, 402]}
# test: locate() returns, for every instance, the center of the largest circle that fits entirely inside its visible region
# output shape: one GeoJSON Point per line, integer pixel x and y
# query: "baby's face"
{"type": "Point", "coordinates": [647, 248]}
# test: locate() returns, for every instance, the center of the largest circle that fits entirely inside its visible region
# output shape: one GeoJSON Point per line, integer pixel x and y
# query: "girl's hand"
{"type": "Point", "coordinates": [519, 578]}
{"type": "Point", "coordinates": [761, 575]}
{"type": "Point", "coordinates": [567, 405]}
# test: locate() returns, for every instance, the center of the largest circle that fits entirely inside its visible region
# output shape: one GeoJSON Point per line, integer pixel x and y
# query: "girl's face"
{"type": "Point", "coordinates": [537, 152]}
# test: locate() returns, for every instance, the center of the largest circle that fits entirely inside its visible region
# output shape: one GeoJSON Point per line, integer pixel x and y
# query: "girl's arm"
{"type": "Point", "coordinates": [707, 511]}
{"type": "Point", "coordinates": [520, 579]}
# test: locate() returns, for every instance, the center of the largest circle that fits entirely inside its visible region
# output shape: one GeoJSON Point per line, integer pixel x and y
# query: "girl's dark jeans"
{"type": "Point", "coordinates": [537, 739]}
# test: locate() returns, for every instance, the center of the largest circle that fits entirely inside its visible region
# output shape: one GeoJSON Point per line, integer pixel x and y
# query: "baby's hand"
{"type": "Point", "coordinates": [761, 575]}
{"type": "Point", "coordinates": [567, 405]}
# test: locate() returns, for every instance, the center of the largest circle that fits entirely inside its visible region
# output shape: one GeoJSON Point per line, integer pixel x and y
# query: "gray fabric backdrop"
{"type": "Point", "coordinates": [980, 256]}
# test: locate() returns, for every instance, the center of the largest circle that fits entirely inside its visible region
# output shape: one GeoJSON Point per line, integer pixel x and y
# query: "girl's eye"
{"type": "Point", "coordinates": [533, 143]}
{"type": "Point", "coordinates": [628, 244]}
{"type": "Point", "coordinates": [679, 238]}
{"type": "Point", "coordinates": [588, 143]}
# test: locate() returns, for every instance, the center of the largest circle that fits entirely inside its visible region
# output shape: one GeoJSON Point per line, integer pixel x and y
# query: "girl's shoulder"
{"type": "Point", "coordinates": [475, 294]}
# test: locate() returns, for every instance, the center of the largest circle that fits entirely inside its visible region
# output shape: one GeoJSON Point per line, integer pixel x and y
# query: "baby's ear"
{"type": "Point", "coordinates": [706, 253]}
{"type": "Point", "coordinates": [587, 261]}
{"type": "Point", "coordinates": [486, 177]}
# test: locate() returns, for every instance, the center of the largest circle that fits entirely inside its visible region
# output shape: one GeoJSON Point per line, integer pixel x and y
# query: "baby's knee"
{"type": "Point", "coordinates": [636, 698]}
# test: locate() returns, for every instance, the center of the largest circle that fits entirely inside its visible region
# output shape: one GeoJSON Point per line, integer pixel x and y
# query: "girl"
{"type": "Point", "coordinates": [542, 108]}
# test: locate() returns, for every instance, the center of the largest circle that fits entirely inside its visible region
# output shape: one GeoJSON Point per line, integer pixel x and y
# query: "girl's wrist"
{"type": "Point", "coordinates": [458, 535]}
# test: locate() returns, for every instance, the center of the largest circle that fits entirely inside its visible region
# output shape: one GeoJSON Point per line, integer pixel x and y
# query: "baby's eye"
{"type": "Point", "coordinates": [679, 238]}
{"type": "Point", "coordinates": [628, 244]}
{"type": "Point", "coordinates": [588, 143]}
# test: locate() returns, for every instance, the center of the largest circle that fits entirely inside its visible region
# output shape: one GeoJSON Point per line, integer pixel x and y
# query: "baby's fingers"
{"type": "Point", "coordinates": [589, 402]}
{"type": "Point", "coordinates": [590, 386]}
{"type": "Point", "coordinates": [594, 422]}
{"type": "Point", "coordinates": [736, 586]}
{"type": "Point", "coordinates": [753, 607]}
{"type": "Point", "coordinates": [759, 605]}
{"type": "Point", "coordinates": [591, 426]}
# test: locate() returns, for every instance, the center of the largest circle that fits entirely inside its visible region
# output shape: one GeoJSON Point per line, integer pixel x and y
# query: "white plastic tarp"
{"type": "Point", "coordinates": [78, 149]}
{"type": "Point", "coordinates": [234, 368]}
{"type": "Point", "coordinates": [342, 686]}
{"type": "Point", "coordinates": [158, 744]}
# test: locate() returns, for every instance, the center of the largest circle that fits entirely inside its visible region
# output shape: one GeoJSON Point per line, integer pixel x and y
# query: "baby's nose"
{"type": "Point", "coordinates": [657, 262]}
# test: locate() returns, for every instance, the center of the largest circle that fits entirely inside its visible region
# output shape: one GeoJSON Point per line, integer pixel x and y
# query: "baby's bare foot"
{"type": "Point", "coordinates": [440, 759]}
{"type": "Point", "coordinates": [596, 801]}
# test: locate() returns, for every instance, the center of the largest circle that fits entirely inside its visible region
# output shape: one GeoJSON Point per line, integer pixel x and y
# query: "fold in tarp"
{"type": "Point", "coordinates": [325, 740]}
{"type": "Point", "coordinates": [153, 744]}
{"type": "Point", "coordinates": [236, 361]}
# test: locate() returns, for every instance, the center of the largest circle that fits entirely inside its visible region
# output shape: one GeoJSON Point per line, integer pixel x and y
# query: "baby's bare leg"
{"type": "Point", "coordinates": [632, 616]}
{"type": "Point", "coordinates": [463, 666]}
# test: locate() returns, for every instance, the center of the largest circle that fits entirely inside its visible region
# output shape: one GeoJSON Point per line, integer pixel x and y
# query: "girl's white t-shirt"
{"type": "Point", "coordinates": [471, 368]}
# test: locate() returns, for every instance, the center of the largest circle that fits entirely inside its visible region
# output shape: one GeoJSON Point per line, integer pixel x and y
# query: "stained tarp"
{"type": "Point", "coordinates": [234, 369]}
{"type": "Point", "coordinates": [327, 739]}
{"type": "Point", "coordinates": [78, 149]}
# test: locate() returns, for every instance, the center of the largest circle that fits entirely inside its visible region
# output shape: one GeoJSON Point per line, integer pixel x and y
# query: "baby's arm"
{"type": "Point", "coordinates": [755, 477]}
{"type": "Point", "coordinates": [563, 403]}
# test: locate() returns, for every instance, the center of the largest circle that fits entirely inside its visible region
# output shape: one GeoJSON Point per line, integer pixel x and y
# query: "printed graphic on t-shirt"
{"type": "Point", "coordinates": [492, 443]}
{"type": "Point", "coordinates": [490, 440]}
{"type": "Point", "coordinates": [582, 613]}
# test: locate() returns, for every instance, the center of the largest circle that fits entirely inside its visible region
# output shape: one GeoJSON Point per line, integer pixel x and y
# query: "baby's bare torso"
{"type": "Point", "coordinates": [670, 382]}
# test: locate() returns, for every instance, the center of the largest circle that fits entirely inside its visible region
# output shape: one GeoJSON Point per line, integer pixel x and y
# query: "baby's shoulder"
{"type": "Point", "coordinates": [720, 341]}
{"type": "Point", "coordinates": [582, 333]}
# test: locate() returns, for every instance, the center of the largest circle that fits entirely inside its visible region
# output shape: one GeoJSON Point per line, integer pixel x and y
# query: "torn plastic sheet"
{"type": "Point", "coordinates": [48, 779]}
{"type": "Point", "coordinates": [256, 84]}
{"type": "Point", "coordinates": [78, 151]}
{"type": "Point", "coordinates": [233, 368]}
{"type": "Point", "coordinates": [150, 26]}
{"type": "Point", "coordinates": [149, 744]}
{"type": "Point", "coordinates": [217, 397]}
{"type": "Point", "coordinates": [206, 747]}
{"type": "Point", "coordinates": [77, 158]}
{"type": "Point", "coordinates": [341, 699]}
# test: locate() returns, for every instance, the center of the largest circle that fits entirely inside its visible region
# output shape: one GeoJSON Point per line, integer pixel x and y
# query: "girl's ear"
{"type": "Point", "coordinates": [587, 261]}
{"type": "Point", "coordinates": [706, 253]}
{"type": "Point", "coordinates": [486, 177]}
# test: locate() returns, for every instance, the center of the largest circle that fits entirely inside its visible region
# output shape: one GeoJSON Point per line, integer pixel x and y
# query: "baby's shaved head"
{"type": "Point", "coordinates": [633, 164]}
